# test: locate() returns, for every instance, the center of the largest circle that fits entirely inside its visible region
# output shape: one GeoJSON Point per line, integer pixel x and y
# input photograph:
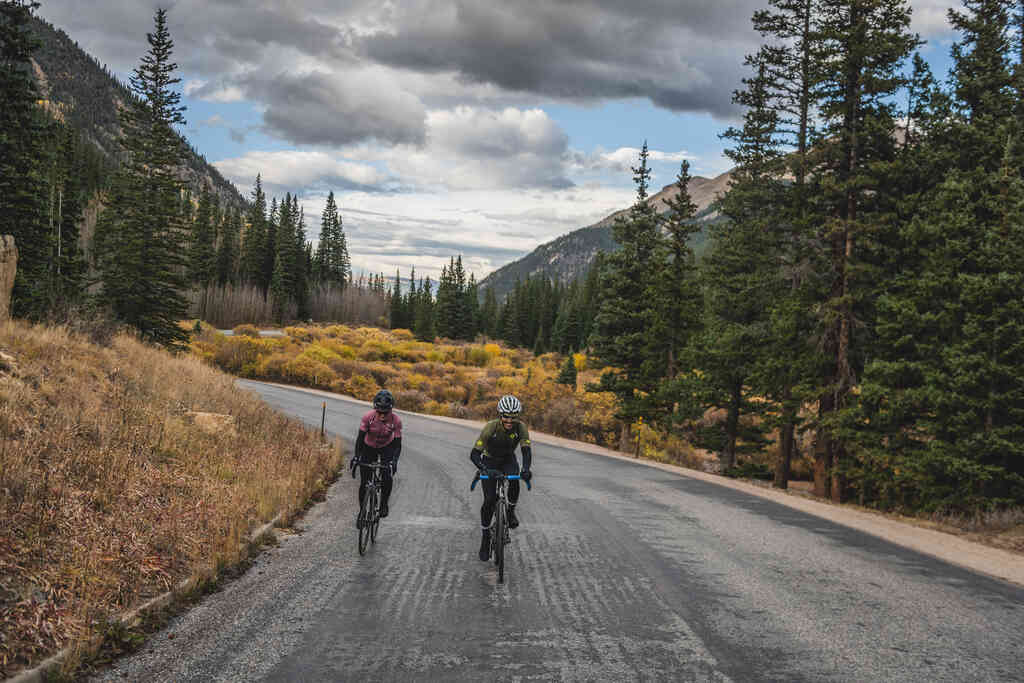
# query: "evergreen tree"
{"type": "Point", "coordinates": [424, 326]}
{"type": "Point", "coordinates": [675, 295]}
{"type": "Point", "coordinates": [619, 338]}
{"type": "Point", "coordinates": [22, 205]}
{"type": "Point", "coordinates": [862, 47]}
{"type": "Point", "coordinates": [255, 241]}
{"type": "Point", "coordinates": [202, 255]}
{"type": "Point", "coordinates": [227, 249]}
{"type": "Point", "coordinates": [141, 239]}
{"type": "Point", "coordinates": [489, 314]}
{"type": "Point", "coordinates": [567, 374]}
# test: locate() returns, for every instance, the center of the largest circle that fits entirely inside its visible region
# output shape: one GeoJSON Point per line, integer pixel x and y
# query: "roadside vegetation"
{"type": "Point", "coordinates": [125, 471]}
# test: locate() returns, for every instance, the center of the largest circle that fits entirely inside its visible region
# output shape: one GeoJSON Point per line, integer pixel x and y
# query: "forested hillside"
{"type": "Point", "coordinates": [78, 90]}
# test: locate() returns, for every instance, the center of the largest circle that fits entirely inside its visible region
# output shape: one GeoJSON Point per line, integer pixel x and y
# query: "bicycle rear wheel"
{"type": "Point", "coordinates": [498, 539]}
{"type": "Point", "coordinates": [367, 514]}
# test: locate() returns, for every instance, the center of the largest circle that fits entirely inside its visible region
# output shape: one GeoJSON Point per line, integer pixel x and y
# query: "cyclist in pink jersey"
{"type": "Point", "coordinates": [380, 433]}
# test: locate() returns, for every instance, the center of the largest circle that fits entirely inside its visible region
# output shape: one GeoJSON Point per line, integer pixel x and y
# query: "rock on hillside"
{"type": "Point", "coordinates": [567, 257]}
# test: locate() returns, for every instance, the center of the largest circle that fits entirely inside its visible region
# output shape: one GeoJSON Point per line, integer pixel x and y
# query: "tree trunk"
{"type": "Point", "coordinates": [732, 422]}
{"type": "Point", "coordinates": [786, 440]}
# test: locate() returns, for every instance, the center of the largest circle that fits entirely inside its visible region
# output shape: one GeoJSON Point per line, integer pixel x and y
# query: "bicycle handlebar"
{"type": "Point", "coordinates": [497, 475]}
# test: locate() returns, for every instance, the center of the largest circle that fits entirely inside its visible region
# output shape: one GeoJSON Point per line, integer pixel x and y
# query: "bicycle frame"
{"type": "Point", "coordinates": [370, 506]}
{"type": "Point", "coordinates": [500, 533]}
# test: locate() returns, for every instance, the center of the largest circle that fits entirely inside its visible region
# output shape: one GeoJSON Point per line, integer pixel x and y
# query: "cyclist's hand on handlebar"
{"type": "Point", "coordinates": [526, 475]}
{"type": "Point", "coordinates": [353, 465]}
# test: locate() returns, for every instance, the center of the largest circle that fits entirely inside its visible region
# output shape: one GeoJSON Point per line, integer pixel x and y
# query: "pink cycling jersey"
{"type": "Point", "coordinates": [380, 431]}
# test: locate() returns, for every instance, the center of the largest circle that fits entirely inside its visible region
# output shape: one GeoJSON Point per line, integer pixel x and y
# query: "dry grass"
{"type": "Point", "coordinates": [114, 487]}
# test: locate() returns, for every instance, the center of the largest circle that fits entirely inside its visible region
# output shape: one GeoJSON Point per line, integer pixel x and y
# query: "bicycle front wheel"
{"type": "Point", "coordinates": [366, 516]}
{"type": "Point", "coordinates": [498, 539]}
{"type": "Point", "coordinates": [376, 519]}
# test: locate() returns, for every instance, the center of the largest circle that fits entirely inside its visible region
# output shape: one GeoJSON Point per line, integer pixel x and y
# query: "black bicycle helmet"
{"type": "Point", "coordinates": [383, 401]}
{"type": "Point", "coordinates": [509, 406]}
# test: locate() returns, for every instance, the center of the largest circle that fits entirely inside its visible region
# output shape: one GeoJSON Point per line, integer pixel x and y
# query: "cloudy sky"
{"type": "Point", "coordinates": [474, 127]}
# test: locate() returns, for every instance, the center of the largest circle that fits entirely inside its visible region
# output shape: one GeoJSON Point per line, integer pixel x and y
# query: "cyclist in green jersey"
{"type": "Point", "coordinates": [495, 450]}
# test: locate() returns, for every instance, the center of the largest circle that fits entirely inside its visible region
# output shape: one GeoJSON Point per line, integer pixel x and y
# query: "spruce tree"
{"type": "Point", "coordinates": [22, 186]}
{"type": "Point", "coordinates": [620, 338]}
{"type": "Point", "coordinates": [254, 241]}
{"type": "Point", "coordinates": [141, 238]}
{"type": "Point", "coordinates": [228, 250]}
{"type": "Point", "coordinates": [567, 374]}
{"type": "Point", "coordinates": [862, 47]}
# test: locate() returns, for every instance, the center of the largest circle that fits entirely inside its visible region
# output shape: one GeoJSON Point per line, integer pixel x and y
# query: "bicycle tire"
{"type": "Point", "coordinates": [498, 538]}
{"type": "Point", "coordinates": [376, 519]}
{"type": "Point", "coordinates": [367, 519]}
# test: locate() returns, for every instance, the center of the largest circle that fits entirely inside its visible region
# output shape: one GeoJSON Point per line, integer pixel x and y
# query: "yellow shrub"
{"type": "Point", "coordinates": [454, 392]}
{"type": "Point", "coordinates": [580, 361]}
{"type": "Point", "coordinates": [509, 384]}
{"type": "Point", "coordinates": [416, 381]}
{"type": "Point", "coordinates": [272, 367]}
{"type": "Point", "coordinates": [492, 349]}
{"type": "Point", "coordinates": [436, 408]}
{"type": "Point", "coordinates": [303, 334]}
{"type": "Point", "coordinates": [319, 353]}
{"type": "Point", "coordinates": [233, 353]}
{"type": "Point", "coordinates": [435, 357]}
{"type": "Point", "coordinates": [478, 356]}
{"type": "Point", "coordinates": [307, 370]}
{"type": "Point", "coordinates": [246, 330]}
{"type": "Point", "coordinates": [402, 334]}
{"type": "Point", "coordinates": [361, 387]}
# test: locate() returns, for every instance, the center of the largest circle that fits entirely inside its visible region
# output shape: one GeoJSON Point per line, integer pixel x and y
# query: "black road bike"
{"type": "Point", "coordinates": [369, 514]}
{"type": "Point", "coordinates": [500, 535]}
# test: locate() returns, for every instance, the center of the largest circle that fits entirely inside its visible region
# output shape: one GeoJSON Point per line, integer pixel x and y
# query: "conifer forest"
{"type": "Point", "coordinates": [863, 296]}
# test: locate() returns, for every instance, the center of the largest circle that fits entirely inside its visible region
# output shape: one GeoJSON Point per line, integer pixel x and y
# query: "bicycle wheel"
{"type": "Point", "coordinates": [498, 539]}
{"type": "Point", "coordinates": [376, 518]}
{"type": "Point", "coordinates": [369, 505]}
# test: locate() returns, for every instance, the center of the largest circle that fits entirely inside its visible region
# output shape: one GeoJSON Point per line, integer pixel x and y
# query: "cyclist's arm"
{"type": "Point", "coordinates": [524, 446]}
{"type": "Point", "coordinates": [396, 447]}
{"type": "Point", "coordinates": [360, 443]}
{"type": "Point", "coordinates": [476, 454]}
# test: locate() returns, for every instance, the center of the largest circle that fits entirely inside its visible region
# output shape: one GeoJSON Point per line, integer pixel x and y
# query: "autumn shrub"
{"type": "Point", "coordinates": [436, 408]}
{"type": "Point", "coordinates": [234, 353]}
{"type": "Point", "coordinates": [303, 334]}
{"type": "Point", "coordinates": [246, 330]}
{"type": "Point", "coordinates": [273, 366]}
{"type": "Point", "coordinates": [410, 399]}
{"type": "Point", "coordinates": [361, 387]}
{"type": "Point", "coordinates": [384, 374]}
{"type": "Point", "coordinates": [344, 368]}
{"type": "Point", "coordinates": [320, 353]}
{"type": "Point", "coordinates": [307, 370]}
{"type": "Point", "coordinates": [402, 334]}
{"type": "Point", "coordinates": [478, 356]}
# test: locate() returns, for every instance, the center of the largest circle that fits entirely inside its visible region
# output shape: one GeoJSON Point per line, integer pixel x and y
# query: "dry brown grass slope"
{"type": "Point", "coordinates": [111, 489]}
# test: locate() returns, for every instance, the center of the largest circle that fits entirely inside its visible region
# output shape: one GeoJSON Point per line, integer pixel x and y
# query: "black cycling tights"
{"type": "Point", "coordinates": [490, 488]}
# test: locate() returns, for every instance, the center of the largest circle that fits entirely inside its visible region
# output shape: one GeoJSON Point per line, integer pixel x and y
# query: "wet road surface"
{"type": "Point", "coordinates": [619, 572]}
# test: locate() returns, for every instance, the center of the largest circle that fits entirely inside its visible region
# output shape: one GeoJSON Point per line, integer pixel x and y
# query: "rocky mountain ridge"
{"type": "Point", "coordinates": [568, 257]}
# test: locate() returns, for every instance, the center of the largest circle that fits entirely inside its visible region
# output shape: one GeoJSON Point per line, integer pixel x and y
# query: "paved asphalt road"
{"type": "Point", "coordinates": [619, 572]}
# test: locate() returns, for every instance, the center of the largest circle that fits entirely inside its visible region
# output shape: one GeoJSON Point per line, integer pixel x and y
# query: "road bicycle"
{"type": "Point", "coordinates": [369, 513]}
{"type": "Point", "coordinates": [500, 534]}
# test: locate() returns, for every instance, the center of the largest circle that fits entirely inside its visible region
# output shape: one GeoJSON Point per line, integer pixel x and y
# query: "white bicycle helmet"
{"type": "Point", "coordinates": [509, 406]}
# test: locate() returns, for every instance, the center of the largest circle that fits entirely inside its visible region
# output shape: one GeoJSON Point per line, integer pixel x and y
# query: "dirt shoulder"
{"type": "Point", "coordinates": [1000, 555]}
